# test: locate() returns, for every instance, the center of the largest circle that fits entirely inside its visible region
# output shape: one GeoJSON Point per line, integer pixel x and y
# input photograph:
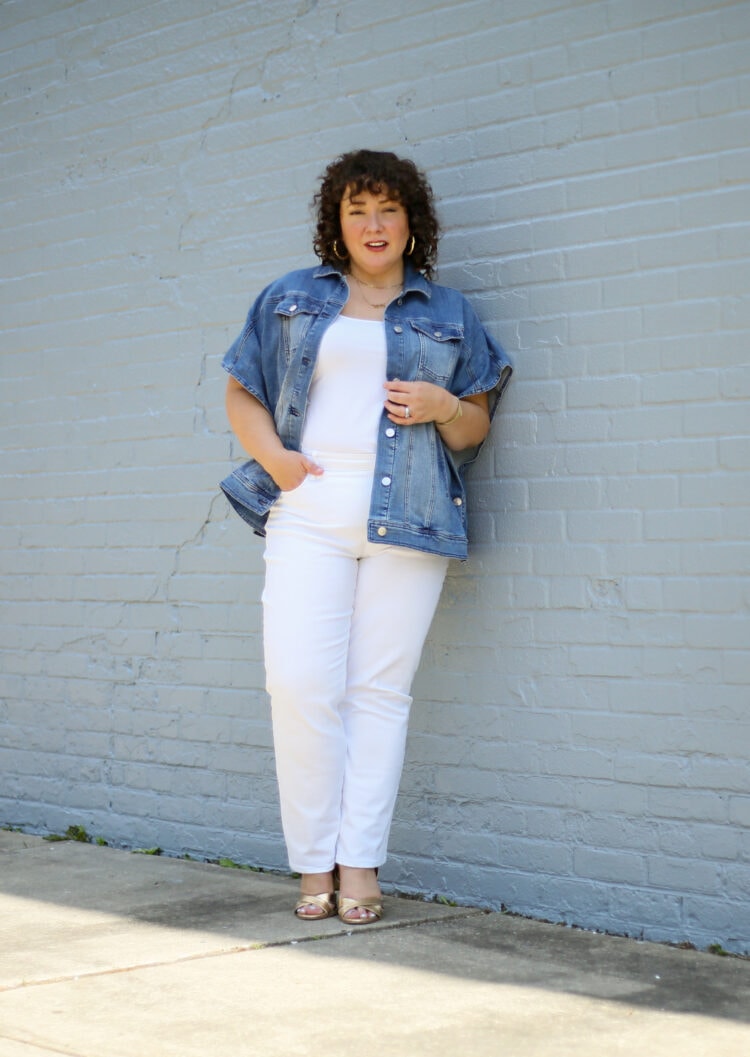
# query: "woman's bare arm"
{"type": "Point", "coordinates": [255, 429]}
{"type": "Point", "coordinates": [432, 403]}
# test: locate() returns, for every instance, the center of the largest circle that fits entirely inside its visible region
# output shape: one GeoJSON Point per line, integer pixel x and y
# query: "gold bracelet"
{"type": "Point", "coordinates": [456, 415]}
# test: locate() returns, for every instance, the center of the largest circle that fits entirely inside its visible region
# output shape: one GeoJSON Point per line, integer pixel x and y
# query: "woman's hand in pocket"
{"type": "Point", "coordinates": [290, 468]}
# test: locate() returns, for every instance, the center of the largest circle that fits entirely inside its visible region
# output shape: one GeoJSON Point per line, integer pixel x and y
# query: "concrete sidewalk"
{"type": "Point", "coordinates": [107, 953]}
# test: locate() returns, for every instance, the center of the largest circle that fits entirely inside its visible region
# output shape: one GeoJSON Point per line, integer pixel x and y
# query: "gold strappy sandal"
{"type": "Point", "coordinates": [326, 903]}
{"type": "Point", "coordinates": [346, 905]}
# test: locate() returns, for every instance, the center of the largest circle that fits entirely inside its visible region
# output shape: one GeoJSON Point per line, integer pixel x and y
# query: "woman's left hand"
{"type": "Point", "coordinates": [409, 403]}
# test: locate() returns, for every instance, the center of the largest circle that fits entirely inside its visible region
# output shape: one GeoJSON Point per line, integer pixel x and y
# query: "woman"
{"type": "Point", "coordinates": [353, 387]}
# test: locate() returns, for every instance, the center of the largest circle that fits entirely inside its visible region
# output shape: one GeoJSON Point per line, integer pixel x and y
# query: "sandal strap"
{"type": "Point", "coordinates": [326, 902]}
{"type": "Point", "coordinates": [346, 905]}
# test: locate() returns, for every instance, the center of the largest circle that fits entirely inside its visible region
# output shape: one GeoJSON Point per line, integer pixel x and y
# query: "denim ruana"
{"type": "Point", "coordinates": [433, 335]}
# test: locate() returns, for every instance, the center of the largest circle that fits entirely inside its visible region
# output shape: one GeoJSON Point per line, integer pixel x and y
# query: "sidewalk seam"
{"type": "Point", "coordinates": [242, 949]}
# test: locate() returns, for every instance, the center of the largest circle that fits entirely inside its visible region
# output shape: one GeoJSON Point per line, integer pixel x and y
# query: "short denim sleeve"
{"type": "Point", "coordinates": [243, 359]}
{"type": "Point", "coordinates": [482, 366]}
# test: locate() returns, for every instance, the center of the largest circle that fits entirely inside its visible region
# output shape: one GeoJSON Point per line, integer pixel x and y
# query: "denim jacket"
{"type": "Point", "coordinates": [432, 334]}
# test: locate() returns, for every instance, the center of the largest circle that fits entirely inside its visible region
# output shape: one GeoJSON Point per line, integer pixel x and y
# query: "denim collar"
{"type": "Point", "coordinates": [414, 281]}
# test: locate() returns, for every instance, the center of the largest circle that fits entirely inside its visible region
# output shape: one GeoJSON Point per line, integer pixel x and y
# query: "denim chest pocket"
{"type": "Point", "coordinates": [296, 311]}
{"type": "Point", "coordinates": [439, 347]}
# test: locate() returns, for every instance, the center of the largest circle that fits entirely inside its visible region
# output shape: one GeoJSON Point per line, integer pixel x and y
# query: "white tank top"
{"type": "Point", "coordinates": [346, 393]}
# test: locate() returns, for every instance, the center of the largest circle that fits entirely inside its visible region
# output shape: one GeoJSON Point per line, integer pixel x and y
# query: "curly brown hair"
{"type": "Point", "coordinates": [377, 171]}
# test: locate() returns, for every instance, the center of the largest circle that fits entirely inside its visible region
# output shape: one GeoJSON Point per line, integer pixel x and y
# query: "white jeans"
{"type": "Point", "coordinates": [344, 625]}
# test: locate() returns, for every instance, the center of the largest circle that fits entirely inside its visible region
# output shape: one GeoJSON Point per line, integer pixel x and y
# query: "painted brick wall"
{"type": "Point", "coordinates": [581, 740]}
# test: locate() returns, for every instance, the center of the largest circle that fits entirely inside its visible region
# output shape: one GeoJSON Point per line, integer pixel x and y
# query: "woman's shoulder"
{"type": "Point", "coordinates": [446, 299]}
{"type": "Point", "coordinates": [302, 279]}
{"type": "Point", "coordinates": [298, 279]}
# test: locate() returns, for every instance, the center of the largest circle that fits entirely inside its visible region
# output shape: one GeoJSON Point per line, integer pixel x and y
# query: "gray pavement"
{"type": "Point", "coordinates": [106, 953]}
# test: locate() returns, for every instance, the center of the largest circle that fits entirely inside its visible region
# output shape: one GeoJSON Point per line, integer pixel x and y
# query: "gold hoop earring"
{"type": "Point", "coordinates": [411, 249]}
{"type": "Point", "coordinates": [335, 248]}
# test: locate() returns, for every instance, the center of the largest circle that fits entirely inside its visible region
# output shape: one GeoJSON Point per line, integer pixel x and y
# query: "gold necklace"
{"type": "Point", "coordinates": [374, 286]}
{"type": "Point", "coordinates": [374, 304]}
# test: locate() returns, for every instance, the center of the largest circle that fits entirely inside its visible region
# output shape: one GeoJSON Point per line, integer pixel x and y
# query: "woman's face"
{"type": "Point", "coordinates": [375, 230]}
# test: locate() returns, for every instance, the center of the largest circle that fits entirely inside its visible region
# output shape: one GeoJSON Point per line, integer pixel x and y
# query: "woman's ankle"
{"type": "Point", "coordinates": [359, 881]}
{"type": "Point", "coordinates": [316, 883]}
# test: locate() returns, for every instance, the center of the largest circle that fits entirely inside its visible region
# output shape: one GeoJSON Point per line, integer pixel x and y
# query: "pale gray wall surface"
{"type": "Point", "coordinates": [580, 740]}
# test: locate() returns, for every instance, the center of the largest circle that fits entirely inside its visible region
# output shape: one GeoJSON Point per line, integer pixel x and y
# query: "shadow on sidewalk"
{"type": "Point", "coordinates": [71, 910]}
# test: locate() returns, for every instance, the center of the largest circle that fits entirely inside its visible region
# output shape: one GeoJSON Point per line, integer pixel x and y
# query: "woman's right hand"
{"type": "Point", "coordinates": [255, 429]}
{"type": "Point", "coordinates": [290, 468]}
